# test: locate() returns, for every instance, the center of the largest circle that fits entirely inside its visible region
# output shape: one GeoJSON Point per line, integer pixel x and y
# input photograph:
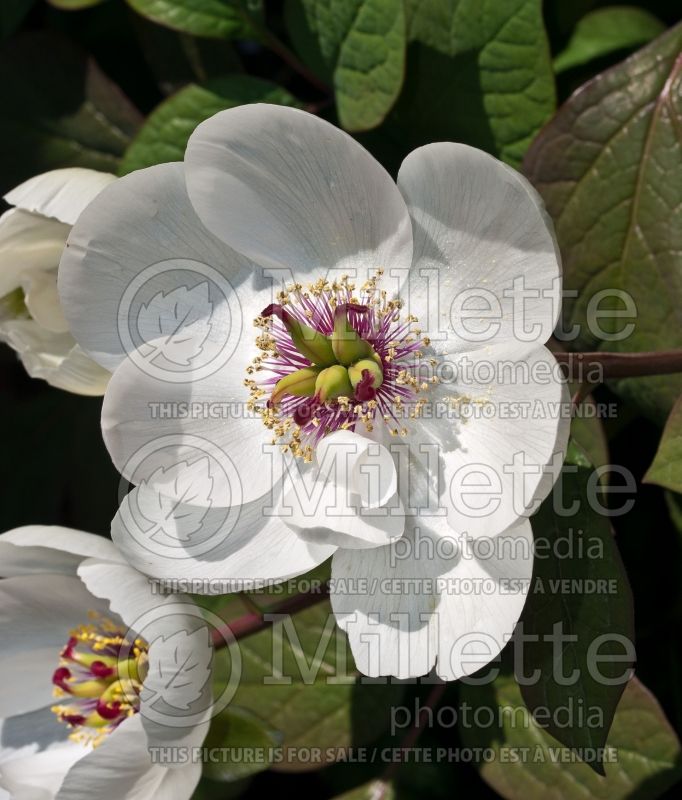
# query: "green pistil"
{"type": "Point", "coordinates": [311, 344]}
{"type": "Point", "coordinates": [300, 383]}
{"type": "Point", "coordinates": [347, 344]}
{"type": "Point", "coordinates": [338, 363]}
{"type": "Point", "coordinates": [333, 382]}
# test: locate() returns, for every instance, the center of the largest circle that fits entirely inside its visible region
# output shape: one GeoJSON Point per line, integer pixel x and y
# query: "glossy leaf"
{"type": "Point", "coordinates": [579, 590]}
{"type": "Point", "coordinates": [166, 131]}
{"type": "Point", "coordinates": [666, 469]}
{"type": "Point", "coordinates": [358, 47]}
{"type": "Point", "coordinates": [477, 72]}
{"type": "Point", "coordinates": [218, 19]}
{"type": "Point", "coordinates": [588, 433]}
{"type": "Point", "coordinates": [298, 675]}
{"type": "Point", "coordinates": [644, 751]}
{"type": "Point", "coordinates": [609, 167]}
{"type": "Point", "coordinates": [605, 31]}
{"type": "Point", "coordinates": [231, 730]}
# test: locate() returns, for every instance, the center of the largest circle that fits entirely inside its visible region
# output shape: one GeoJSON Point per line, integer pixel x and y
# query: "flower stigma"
{"type": "Point", "coordinates": [101, 672]}
{"type": "Point", "coordinates": [332, 359]}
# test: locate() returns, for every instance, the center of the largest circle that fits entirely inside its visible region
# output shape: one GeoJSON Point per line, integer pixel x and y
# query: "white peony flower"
{"type": "Point", "coordinates": [86, 694]}
{"type": "Point", "coordinates": [32, 238]}
{"type": "Point", "coordinates": [360, 417]}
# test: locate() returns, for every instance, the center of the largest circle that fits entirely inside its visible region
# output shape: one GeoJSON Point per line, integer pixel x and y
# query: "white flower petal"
{"type": "Point", "coordinates": [482, 600]}
{"type": "Point", "coordinates": [121, 769]}
{"type": "Point", "coordinates": [50, 549]}
{"type": "Point", "coordinates": [28, 243]}
{"type": "Point", "coordinates": [42, 301]}
{"type": "Point", "coordinates": [35, 755]}
{"type": "Point", "coordinates": [323, 511]}
{"type": "Point", "coordinates": [77, 373]}
{"type": "Point", "coordinates": [289, 190]}
{"type": "Point", "coordinates": [36, 614]}
{"type": "Point", "coordinates": [196, 440]}
{"type": "Point", "coordinates": [496, 433]}
{"type": "Point", "coordinates": [54, 357]}
{"type": "Point", "coordinates": [135, 245]}
{"type": "Point", "coordinates": [478, 226]}
{"type": "Point", "coordinates": [127, 592]}
{"type": "Point", "coordinates": [245, 544]}
{"type": "Point", "coordinates": [419, 603]}
{"type": "Point", "coordinates": [552, 470]}
{"type": "Point", "coordinates": [24, 734]}
{"type": "Point", "coordinates": [388, 625]}
{"type": "Point", "coordinates": [60, 193]}
{"type": "Point", "coordinates": [358, 464]}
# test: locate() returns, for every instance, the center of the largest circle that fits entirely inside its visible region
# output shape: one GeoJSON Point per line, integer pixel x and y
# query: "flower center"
{"type": "Point", "coordinates": [335, 359]}
{"type": "Point", "coordinates": [101, 672]}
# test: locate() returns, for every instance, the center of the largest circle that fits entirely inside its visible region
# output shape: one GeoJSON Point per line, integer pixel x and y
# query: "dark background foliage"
{"type": "Point", "coordinates": [79, 80]}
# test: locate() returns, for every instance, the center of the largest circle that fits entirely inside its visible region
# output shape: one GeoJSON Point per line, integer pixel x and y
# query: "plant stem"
{"type": "Point", "coordinates": [280, 49]}
{"type": "Point", "coordinates": [254, 621]}
{"type": "Point", "coordinates": [290, 59]}
{"type": "Point", "coordinates": [624, 365]}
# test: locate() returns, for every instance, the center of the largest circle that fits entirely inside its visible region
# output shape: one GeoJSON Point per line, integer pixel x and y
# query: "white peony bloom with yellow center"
{"type": "Point", "coordinates": [312, 360]}
{"type": "Point", "coordinates": [99, 674]}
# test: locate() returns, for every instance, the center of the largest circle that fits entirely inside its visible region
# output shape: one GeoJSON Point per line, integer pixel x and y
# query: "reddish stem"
{"type": "Point", "coordinates": [253, 622]}
{"type": "Point", "coordinates": [626, 365]}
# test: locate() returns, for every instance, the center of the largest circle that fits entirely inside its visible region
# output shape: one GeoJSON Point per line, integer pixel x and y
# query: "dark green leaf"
{"type": "Point", "coordinates": [528, 764]}
{"type": "Point", "coordinates": [666, 469]}
{"type": "Point", "coordinates": [299, 676]}
{"type": "Point", "coordinates": [218, 19]}
{"type": "Point", "coordinates": [358, 46]}
{"type": "Point", "coordinates": [59, 110]}
{"type": "Point", "coordinates": [588, 433]}
{"type": "Point", "coordinates": [165, 133]}
{"type": "Point", "coordinates": [609, 167]}
{"type": "Point", "coordinates": [477, 72]}
{"type": "Point", "coordinates": [231, 730]}
{"type": "Point", "coordinates": [606, 30]}
{"type": "Point", "coordinates": [579, 584]}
